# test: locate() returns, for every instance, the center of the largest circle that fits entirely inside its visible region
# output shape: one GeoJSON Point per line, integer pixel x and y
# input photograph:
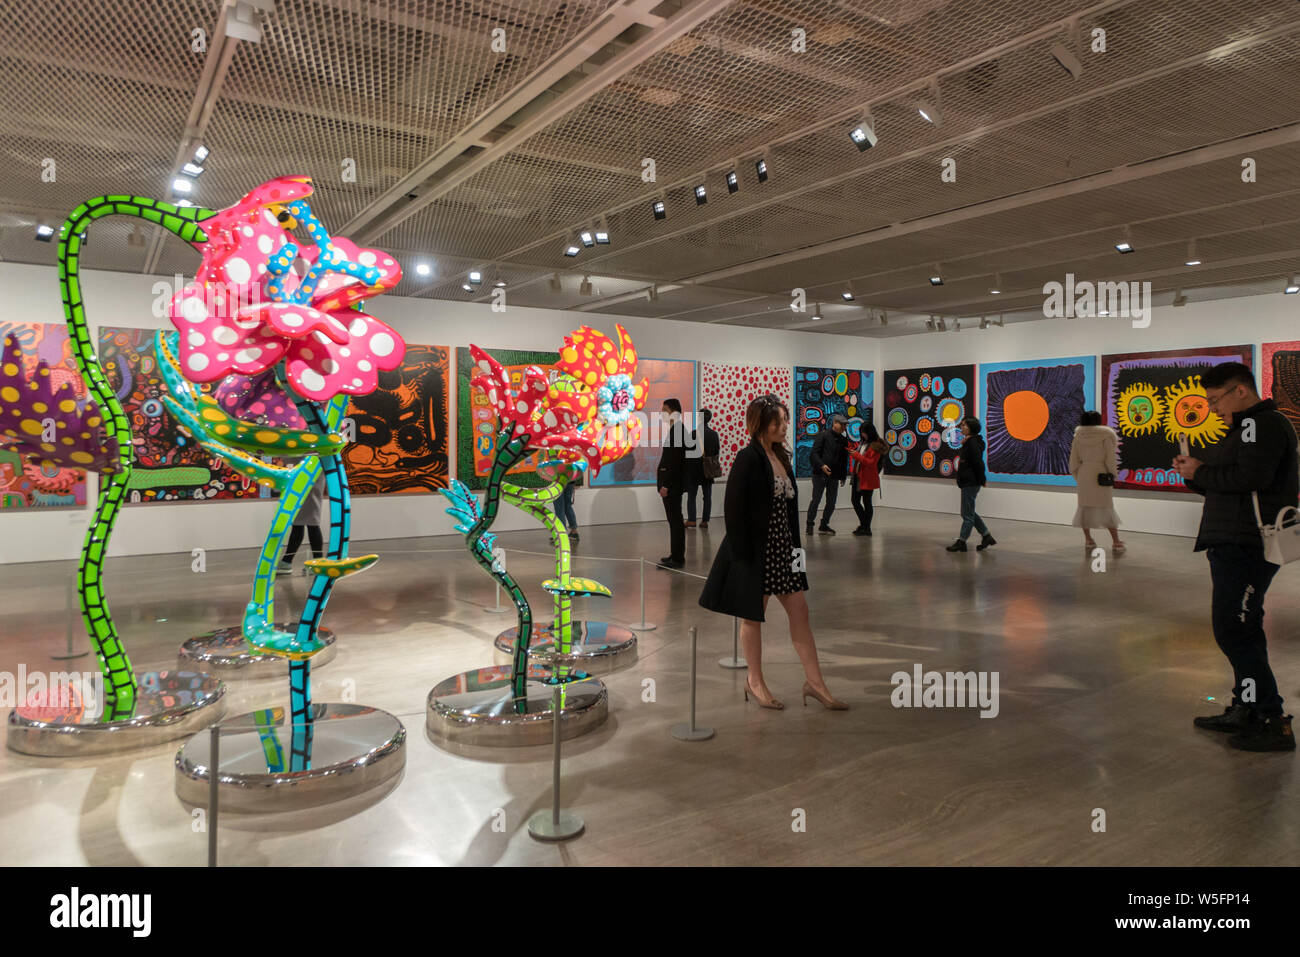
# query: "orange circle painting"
{"type": "Point", "coordinates": [1025, 413]}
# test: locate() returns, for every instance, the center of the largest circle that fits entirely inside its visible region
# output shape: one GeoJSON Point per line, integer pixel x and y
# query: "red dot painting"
{"type": "Point", "coordinates": [728, 389]}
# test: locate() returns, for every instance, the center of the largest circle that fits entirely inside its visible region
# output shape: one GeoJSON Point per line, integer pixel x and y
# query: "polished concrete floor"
{"type": "Point", "coordinates": [1100, 674]}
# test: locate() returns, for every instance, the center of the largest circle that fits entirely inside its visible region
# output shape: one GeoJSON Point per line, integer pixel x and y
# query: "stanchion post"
{"type": "Point", "coordinates": [690, 732]}
{"type": "Point", "coordinates": [643, 625]}
{"type": "Point", "coordinates": [555, 825]}
{"type": "Point", "coordinates": [214, 763]}
{"type": "Point", "coordinates": [735, 661]}
{"type": "Point", "coordinates": [498, 554]}
{"type": "Point", "coordinates": [70, 601]}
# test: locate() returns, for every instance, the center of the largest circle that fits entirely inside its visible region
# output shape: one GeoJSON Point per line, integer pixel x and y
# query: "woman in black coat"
{"type": "Point", "coordinates": [970, 479]}
{"type": "Point", "coordinates": [761, 556]}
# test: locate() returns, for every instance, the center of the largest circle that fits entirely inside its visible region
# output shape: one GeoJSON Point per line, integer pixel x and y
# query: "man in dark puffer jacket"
{"type": "Point", "coordinates": [1258, 455]}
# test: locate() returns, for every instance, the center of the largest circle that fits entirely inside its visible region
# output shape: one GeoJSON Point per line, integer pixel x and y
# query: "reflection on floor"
{"type": "Point", "coordinates": [1100, 674]}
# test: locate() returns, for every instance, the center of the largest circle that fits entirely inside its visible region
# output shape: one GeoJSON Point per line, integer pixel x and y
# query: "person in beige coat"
{"type": "Point", "coordinates": [1092, 452]}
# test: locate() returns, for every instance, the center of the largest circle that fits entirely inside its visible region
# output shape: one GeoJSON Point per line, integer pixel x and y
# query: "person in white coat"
{"type": "Point", "coordinates": [1093, 453]}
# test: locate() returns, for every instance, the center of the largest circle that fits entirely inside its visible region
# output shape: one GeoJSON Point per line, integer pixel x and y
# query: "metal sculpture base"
{"type": "Point", "coordinates": [354, 749]}
{"type": "Point", "coordinates": [544, 827]}
{"type": "Point", "coordinates": [733, 663]}
{"type": "Point", "coordinates": [479, 708]}
{"type": "Point", "coordinates": [684, 732]}
{"type": "Point", "coordinates": [225, 653]}
{"type": "Point", "coordinates": [597, 647]}
{"type": "Point", "coordinates": [169, 705]}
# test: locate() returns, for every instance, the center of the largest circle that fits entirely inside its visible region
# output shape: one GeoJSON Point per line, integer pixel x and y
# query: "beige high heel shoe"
{"type": "Point", "coordinates": [772, 703]}
{"type": "Point", "coordinates": [827, 702]}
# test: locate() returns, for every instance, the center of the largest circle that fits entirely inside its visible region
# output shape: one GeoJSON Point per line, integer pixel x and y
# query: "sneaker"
{"type": "Point", "coordinates": [957, 546]}
{"type": "Point", "coordinates": [861, 531]}
{"type": "Point", "coordinates": [1235, 718]}
{"type": "Point", "coordinates": [283, 569]}
{"type": "Point", "coordinates": [808, 530]}
{"type": "Point", "coordinates": [825, 530]}
{"type": "Point", "coordinates": [985, 542]}
{"type": "Point", "coordinates": [1267, 734]}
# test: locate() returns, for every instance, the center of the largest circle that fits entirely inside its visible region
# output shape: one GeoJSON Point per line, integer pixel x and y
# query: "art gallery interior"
{"type": "Point", "coordinates": [512, 227]}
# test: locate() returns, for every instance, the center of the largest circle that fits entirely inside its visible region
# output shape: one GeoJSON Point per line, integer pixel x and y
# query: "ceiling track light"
{"type": "Point", "coordinates": [848, 295]}
{"type": "Point", "coordinates": [996, 288]}
{"type": "Point", "coordinates": [201, 154]}
{"type": "Point", "coordinates": [1125, 245]}
{"type": "Point", "coordinates": [936, 277]}
{"type": "Point", "coordinates": [733, 181]}
{"type": "Point", "coordinates": [475, 277]}
{"type": "Point", "coordinates": [423, 269]}
{"type": "Point", "coordinates": [1291, 287]}
{"type": "Point", "coordinates": [1065, 55]}
{"type": "Point", "coordinates": [602, 232]}
{"type": "Point", "coordinates": [1192, 258]}
{"type": "Point", "coordinates": [182, 185]}
{"type": "Point", "coordinates": [864, 134]}
{"type": "Point", "coordinates": [587, 238]}
{"type": "Point", "coordinates": [572, 250]}
{"type": "Point", "coordinates": [44, 233]}
{"type": "Point", "coordinates": [192, 170]}
{"type": "Point", "coordinates": [659, 209]}
{"type": "Point", "coordinates": [928, 106]}
{"type": "Point", "coordinates": [467, 287]}
{"type": "Point", "coordinates": [760, 167]}
{"type": "Point", "coordinates": [701, 195]}
{"type": "Point", "coordinates": [817, 312]}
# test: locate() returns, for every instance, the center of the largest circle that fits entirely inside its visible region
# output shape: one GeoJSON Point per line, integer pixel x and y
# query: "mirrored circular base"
{"type": "Point", "coordinates": [479, 708]}
{"type": "Point", "coordinates": [226, 654]}
{"type": "Point", "coordinates": [353, 750]}
{"type": "Point", "coordinates": [597, 647]}
{"type": "Point", "coordinates": [168, 705]}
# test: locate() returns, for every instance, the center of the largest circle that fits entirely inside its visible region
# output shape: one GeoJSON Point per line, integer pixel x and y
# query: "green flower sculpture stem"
{"type": "Point", "coordinates": [537, 503]}
{"type": "Point", "coordinates": [119, 678]}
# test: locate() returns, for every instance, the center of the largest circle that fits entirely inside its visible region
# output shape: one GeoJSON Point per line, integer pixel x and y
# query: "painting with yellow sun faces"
{"type": "Point", "coordinates": [1151, 399]}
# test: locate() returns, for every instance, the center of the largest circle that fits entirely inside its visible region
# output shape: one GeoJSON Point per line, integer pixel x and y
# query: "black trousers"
{"type": "Point", "coordinates": [861, 499]}
{"type": "Point", "coordinates": [1240, 578]}
{"type": "Point", "coordinates": [676, 526]}
{"type": "Point", "coordinates": [705, 486]}
{"type": "Point", "coordinates": [821, 482]}
{"type": "Point", "coordinates": [295, 540]}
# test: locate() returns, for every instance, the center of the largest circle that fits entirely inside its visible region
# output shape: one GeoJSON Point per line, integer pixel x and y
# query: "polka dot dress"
{"type": "Point", "coordinates": [779, 576]}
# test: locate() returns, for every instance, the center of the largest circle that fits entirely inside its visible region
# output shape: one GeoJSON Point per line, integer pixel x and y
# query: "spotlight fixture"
{"type": "Point", "coordinates": [467, 287]}
{"type": "Point", "coordinates": [192, 169]}
{"type": "Point", "coordinates": [1067, 60]}
{"type": "Point", "coordinates": [587, 238]}
{"type": "Point", "coordinates": [475, 277]}
{"type": "Point", "coordinates": [817, 312]}
{"type": "Point", "coordinates": [996, 289]}
{"type": "Point", "coordinates": [1179, 298]}
{"type": "Point", "coordinates": [500, 284]}
{"type": "Point", "coordinates": [183, 202]}
{"type": "Point", "coordinates": [659, 209]}
{"type": "Point", "coordinates": [733, 183]}
{"type": "Point", "coordinates": [554, 282]}
{"type": "Point", "coordinates": [1125, 245]}
{"type": "Point", "coordinates": [701, 196]}
{"type": "Point", "coordinates": [423, 269]}
{"type": "Point", "coordinates": [182, 185]}
{"type": "Point", "coordinates": [761, 168]}
{"type": "Point", "coordinates": [1291, 287]}
{"type": "Point", "coordinates": [846, 295]}
{"type": "Point", "coordinates": [572, 251]}
{"type": "Point", "coordinates": [201, 153]}
{"type": "Point", "coordinates": [585, 287]}
{"type": "Point", "coordinates": [1192, 258]}
{"type": "Point", "coordinates": [936, 279]}
{"type": "Point", "coordinates": [44, 233]}
{"type": "Point", "coordinates": [929, 112]}
{"type": "Point", "coordinates": [602, 237]}
{"type": "Point", "coordinates": [863, 136]}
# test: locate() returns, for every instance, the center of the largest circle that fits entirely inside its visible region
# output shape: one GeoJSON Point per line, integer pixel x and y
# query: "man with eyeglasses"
{"type": "Point", "coordinates": [1257, 456]}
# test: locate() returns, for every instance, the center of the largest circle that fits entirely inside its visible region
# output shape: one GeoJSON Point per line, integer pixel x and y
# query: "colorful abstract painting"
{"type": "Point", "coordinates": [1150, 399]}
{"type": "Point", "coordinates": [1029, 410]}
{"type": "Point", "coordinates": [923, 408]}
{"type": "Point", "coordinates": [820, 393]}
{"type": "Point", "coordinates": [402, 428]}
{"type": "Point", "coordinates": [476, 422]}
{"type": "Point", "coordinates": [22, 484]}
{"type": "Point", "coordinates": [668, 379]}
{"type": "Point", "coordinates": [726, 390]}
{"type": "Point", "coordinates": [169, 466]}
{"type": "Point", "coordinates": [1279, 378]}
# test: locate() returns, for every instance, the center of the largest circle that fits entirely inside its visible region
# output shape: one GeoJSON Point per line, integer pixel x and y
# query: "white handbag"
{"type": "Point", "coordinates": [1281, 541]}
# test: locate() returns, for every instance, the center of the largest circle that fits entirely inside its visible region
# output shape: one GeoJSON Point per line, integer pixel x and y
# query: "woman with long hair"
{"type": "Point", "coordinates": [970, 479]}
{"type": "Point", "coordinates": [761, 555]}
{"type": "Point", "coordinates": [865, 461]}
{"type": "Point", "coordinates": [1094, 453]}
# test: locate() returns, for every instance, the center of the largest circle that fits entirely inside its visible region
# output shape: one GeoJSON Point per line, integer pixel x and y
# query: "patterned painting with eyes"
{"type": "Point", "coordinates": [402, 428]}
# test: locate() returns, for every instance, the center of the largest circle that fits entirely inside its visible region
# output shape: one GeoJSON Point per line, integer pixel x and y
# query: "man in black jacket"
{"type": "Point", "coordinates": [707, 445]}
{"type": "Point", "coordinates": [830, 466]}
{"type": "Point", "coordinates": [671, 481]}
{"type": "Point", "coordinates": [1256, 457]}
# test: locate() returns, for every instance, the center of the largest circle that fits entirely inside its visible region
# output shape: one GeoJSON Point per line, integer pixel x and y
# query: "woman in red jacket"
{"type": "Point", "coordinates": [866, 464]}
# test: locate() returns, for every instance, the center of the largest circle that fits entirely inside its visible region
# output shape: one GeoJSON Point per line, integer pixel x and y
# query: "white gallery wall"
{"type": "Point", "coordinates": [31, 294]}
{"type": "Point", "coordinates": [1252, 320]}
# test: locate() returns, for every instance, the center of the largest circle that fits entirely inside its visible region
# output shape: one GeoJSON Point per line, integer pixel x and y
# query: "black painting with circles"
{"type": "Point", "coordinates": [922, 411]}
